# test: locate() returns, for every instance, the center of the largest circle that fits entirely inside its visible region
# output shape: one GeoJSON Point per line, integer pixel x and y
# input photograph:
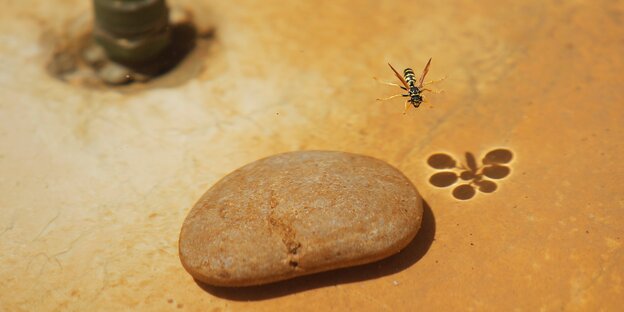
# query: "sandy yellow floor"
{"type": "Point", "coordinates": [95, 183]}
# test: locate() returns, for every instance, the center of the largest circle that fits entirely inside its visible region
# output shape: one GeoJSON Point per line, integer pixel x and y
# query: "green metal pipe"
{"type": "Point", "coordinates": [132, 31]}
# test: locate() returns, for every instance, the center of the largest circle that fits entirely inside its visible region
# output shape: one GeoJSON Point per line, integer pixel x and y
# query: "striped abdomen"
{"type": "Point", "coordinates": [409, 76]}
{"type": "Point", "coordinates": [413, 92]}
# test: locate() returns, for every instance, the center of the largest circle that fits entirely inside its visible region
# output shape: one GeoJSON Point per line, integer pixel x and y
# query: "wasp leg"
{"type": "Point", "coordinates": [434, 81]}
{"type": "Point", "coordinates": [391, 97]}
{"type": "Point", "coordinates": [406, 106]}
{"type": "Point", "coordinates": [390, 83]}
{"type": "Point", "coordinates": [432, 91]}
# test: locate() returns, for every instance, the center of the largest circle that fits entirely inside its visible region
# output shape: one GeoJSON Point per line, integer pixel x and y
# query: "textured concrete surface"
{"type": "Point", "coordinates": [95, 183]}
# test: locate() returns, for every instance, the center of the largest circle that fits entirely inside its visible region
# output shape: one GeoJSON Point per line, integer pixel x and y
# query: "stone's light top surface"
{"type": "Point", "coordinates": [298, 213]}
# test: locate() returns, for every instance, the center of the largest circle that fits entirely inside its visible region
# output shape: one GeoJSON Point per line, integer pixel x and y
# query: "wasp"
{"type": "Point", "coordinates": [414, 87]}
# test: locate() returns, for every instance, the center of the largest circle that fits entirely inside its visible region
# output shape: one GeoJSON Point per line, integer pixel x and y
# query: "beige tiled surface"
{"type": "Point", "coordinates": [95, 184]}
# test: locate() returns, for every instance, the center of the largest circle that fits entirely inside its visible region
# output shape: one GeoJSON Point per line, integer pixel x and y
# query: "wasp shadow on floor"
{"type": "Point", "coordinates": [413, 252]}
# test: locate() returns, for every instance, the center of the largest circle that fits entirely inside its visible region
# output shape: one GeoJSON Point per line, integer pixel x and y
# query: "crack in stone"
{"type": "Point", "coordinates": [286, 232]}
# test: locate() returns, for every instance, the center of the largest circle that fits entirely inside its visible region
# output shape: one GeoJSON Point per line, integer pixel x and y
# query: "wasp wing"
{"type": "Point", "coordinates": [424, 73]}
{"type": "Point", "coordinates": [399, 76]}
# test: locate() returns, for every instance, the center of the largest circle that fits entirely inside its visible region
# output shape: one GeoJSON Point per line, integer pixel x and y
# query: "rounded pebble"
{"type": "Point", "coordinates": [115, 74]}
{"type": "Point", "coordinates": [298, 213]}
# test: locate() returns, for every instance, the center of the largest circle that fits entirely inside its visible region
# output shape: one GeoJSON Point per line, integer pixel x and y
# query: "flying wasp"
{"type": "Point", "coordinates": [414, 87]}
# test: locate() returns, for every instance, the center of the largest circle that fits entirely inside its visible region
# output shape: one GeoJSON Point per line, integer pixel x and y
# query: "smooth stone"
{"type": "Point", "coordinates": [298, 213]}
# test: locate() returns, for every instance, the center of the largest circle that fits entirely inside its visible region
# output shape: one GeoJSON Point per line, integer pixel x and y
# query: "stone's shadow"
{"type": "Point", "coordinates": [415, 250]}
